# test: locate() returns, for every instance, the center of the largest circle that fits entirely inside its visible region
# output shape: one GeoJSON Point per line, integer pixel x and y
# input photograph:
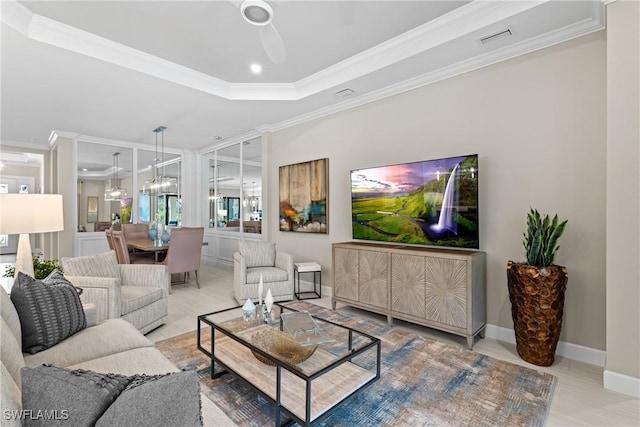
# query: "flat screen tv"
{"type": "Point", "coordinates": [431, 202]}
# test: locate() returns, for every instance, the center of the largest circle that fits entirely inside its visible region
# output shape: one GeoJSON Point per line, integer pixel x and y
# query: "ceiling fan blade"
{"type": "Point", "coordinates": [273, 44]}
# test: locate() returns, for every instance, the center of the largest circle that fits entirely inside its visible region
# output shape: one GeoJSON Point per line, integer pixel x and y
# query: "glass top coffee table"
{"type": "Point", "coordinates": [305, 372]}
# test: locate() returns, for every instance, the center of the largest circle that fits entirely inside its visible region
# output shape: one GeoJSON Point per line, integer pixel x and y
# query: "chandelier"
{"type": "Point", "coordinates": [160, 183]}
{"type": "Point", "coordinates": [115, 193]}
{"type": "Point", "coordinates": [253, 201]}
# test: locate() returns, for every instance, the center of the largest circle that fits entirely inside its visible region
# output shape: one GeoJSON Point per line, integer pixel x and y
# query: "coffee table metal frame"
{"type": "Point", "coordinates": [280, 364]}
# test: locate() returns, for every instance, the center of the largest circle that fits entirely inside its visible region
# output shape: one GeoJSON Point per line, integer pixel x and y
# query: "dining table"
{"type": "Point", "coordinates": [148, 245]}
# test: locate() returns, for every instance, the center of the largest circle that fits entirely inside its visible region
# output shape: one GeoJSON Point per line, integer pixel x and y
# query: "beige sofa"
{"type": "Point", "coordinates": [137, 293]}
{"type": "Point", "coordinates": [113, 346]}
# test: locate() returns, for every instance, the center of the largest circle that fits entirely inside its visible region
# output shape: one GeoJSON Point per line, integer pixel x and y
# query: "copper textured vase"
{"type": "Point", "coordinates": [537, 303]}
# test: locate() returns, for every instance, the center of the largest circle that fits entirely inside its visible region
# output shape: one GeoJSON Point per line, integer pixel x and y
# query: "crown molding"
{"type": "Point", "coordinates": [227, 142]}
{"type": "Point", "coordinates": [16, 16]}
{"type": "Point", "coordinates": [455, 24]}
{"type": "Point", "coordinates": [567, 33]}
{"type": "Point", "coordinates": [128, 144]}
{"type": "Point", "coordinates": [55, 134]}
{"type": "Point", "coordinates": [24, 145]}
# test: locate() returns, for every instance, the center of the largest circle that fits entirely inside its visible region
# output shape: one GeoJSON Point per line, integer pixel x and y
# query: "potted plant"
{"type": "Point", "coordinates": [536, 290]}
{"type": "Point", "coordinates": [41, 268]}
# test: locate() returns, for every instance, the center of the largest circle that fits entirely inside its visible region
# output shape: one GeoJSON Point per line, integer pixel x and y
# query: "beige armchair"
{"type": "Point", "coordinates": [255, 259]}
{"type": "Point", "coordinates": [135, 292]}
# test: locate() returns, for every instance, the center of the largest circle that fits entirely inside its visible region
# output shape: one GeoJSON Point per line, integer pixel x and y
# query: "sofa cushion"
{"type": "Point", "coordinates": [76, 398]}
{"type": "Point", "coordinates": [144, 360]}
{"type": "Point", "coordinates": [258, 254]}
{"type": "Point", "coordinates": [10, 398]}
{"type": "Point", "coordinates": [100, 265]}
{"type": "Point", "coordinates": [150, 317]}
{"type": "Point", "coordinates": [150, 401]}
{"type": "Point", "coordinates": [137, 297]}
{"type": "Point", "coordinates": [109, 337]}
{"type": "Point", "coordinates": [49, 310]}
{"type": "Point", "coordinates": [10, 353]}
{"type": "Point", "coordinates": [10, 315]}
{"type": "Point", "coordinates": [269, 274]}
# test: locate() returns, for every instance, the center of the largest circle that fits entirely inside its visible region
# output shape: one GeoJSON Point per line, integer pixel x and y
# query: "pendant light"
{"type": "Point", "coordinates": [160, 183]}
{"type": "Point", "coordinates": [115, 193]}
{"type": "Point", "coordinates": [254, 200]}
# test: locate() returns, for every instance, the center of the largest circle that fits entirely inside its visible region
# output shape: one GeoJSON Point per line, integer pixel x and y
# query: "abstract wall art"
{"type": "Point", "coordinates": [304, 194]}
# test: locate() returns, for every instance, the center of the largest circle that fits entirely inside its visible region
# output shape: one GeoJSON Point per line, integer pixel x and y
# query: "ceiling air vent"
{"type": "Point", "coordinates": [344, 92]}
{"type": "Point", "coordinates": [496, 36]}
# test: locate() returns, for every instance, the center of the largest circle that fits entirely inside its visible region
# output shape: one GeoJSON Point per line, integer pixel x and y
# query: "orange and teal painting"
{"type": "Point", "coordinates": [304, 189]}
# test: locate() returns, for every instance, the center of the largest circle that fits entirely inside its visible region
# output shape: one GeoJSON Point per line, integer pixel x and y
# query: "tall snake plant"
{"type": "Point", "coordinates": [541, 238]}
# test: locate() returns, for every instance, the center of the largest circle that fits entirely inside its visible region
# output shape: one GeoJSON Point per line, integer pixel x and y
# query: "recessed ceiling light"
{"type": "Point", "coordinates": [217, 138]}
{"type": "Point", "coordinates": [256, 68]}
{"type": "Point", "coordinates": [84, 169]}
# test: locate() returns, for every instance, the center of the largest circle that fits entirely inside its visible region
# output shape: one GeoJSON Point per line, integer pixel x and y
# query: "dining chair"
{"type": "Point", "coordinates": [122, 252]}
{"type": "Point", "coordinates": [185, 250]}
{"type": "Point", "coordinates": [109, 236]}
{"type": "Point", "coordinates": [135, 231]}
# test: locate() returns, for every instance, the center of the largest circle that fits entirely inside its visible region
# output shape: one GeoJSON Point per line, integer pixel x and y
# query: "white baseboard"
{"type": "Point", "coordinates": [564, 349]}
{"type": "Point", "coordinates": [622, 383]}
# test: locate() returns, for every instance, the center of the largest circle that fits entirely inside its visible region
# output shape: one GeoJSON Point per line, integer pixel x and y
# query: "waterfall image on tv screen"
{"type": "Point", "coordinates": [432, 202]}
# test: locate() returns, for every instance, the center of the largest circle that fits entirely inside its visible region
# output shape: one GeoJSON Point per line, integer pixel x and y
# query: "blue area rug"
{"type": "Point", "coordinates": [423, 382]}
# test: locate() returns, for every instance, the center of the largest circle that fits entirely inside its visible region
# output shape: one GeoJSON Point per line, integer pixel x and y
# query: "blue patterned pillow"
{"type": "Point", "coordinates": [50, 310]}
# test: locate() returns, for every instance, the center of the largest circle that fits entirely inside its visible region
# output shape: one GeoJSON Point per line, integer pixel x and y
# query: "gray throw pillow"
{"type": "Point", "coordinates": [157, 400]}
{"type": "Point", "coordinates": [50, 310]}
{"type": "Point", "coordinates": [54, 396]}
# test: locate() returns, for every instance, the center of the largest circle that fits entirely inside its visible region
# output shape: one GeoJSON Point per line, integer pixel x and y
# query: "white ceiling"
{"type": "Point", "coordinates": [117, 70]}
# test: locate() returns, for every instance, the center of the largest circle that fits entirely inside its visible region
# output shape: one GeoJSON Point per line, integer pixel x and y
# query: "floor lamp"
{"type": "Point", "coordinates": [29, 213]}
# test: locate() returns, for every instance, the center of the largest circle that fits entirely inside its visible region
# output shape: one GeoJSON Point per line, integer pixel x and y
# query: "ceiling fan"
{"type": "Point", "coordinates": [260, 13]}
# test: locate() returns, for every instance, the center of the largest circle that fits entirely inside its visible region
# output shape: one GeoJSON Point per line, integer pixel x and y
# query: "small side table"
{"type": "Point", "coordinates": [307, 267]}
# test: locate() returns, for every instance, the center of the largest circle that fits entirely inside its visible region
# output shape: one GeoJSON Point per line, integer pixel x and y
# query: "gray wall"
{"type": "Point", "coordinates": [538, 123]}
{"type": "Point", "coordinates": [623, 194]}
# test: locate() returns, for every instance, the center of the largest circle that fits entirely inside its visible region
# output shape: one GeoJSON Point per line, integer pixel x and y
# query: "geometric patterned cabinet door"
{"type": "Point", "coordinates": [373, 270]}
{"type": "Point", "coordinates": [439, 288]}
{"type": "Point", "coordinates": [446, 291]}
{"type": "Point", "coordinates": [408, 285]}
{"type": "Point", "coordinates": [345, 273]}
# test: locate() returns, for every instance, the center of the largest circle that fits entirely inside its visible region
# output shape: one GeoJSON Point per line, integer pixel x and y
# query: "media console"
{"type": "Point", "coordinates": [440, 288]}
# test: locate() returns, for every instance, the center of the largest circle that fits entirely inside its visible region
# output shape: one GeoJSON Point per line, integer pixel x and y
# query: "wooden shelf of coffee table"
{"type": "Point", "coordinates": [326, 390]}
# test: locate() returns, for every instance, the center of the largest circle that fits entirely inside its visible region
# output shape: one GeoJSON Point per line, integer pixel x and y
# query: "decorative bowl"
{"type": "Point", "coordinates": [280, 345]}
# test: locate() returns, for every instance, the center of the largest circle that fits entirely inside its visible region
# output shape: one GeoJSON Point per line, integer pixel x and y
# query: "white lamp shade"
{"type": "Point", "coordinates": [30, 213]}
